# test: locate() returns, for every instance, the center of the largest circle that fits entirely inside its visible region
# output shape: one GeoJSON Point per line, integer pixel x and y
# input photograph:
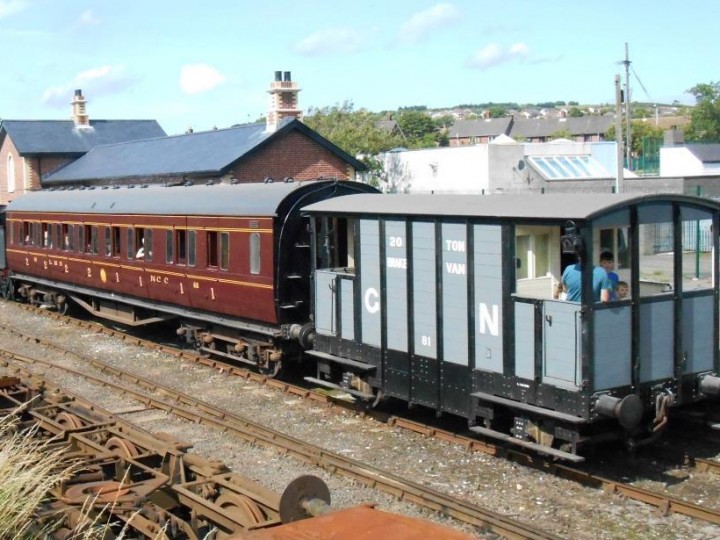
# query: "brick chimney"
{"type": "Point", "coordinates": [283, 100]}
{"type": "Point", "coordinates": [79, 116]}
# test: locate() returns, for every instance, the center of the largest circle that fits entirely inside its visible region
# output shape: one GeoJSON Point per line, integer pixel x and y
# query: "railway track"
{"type": "Point", "coordinates": [663, 502]}
{"type": "Point", "coordinates": [196, 411]}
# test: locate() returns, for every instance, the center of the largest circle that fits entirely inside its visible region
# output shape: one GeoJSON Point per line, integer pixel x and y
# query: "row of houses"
{"type": "Point", "coordinates": [485, 156]}
{"type": "Point", "coordinates": [81, 151]}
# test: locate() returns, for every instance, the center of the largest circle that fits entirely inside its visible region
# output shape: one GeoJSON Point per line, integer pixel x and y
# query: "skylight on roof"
{"type": "Point", "coordinates": [568, 167]}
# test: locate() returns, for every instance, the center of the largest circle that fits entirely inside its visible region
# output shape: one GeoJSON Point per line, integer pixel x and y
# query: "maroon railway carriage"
{"type": "Point", "coordinates": [230, 262]}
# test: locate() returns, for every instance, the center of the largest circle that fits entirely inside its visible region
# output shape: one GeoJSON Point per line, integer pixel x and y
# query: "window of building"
{"type": "Point", "coordinates": [10, 174]}
{"type": "Point", "coordinates": [254, 253]}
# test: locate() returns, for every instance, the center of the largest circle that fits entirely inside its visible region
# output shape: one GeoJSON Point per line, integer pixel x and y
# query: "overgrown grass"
{"type": "Point", "coordinates": [30, 469]}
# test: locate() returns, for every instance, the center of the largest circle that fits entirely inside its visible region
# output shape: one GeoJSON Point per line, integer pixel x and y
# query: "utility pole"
{"type": "Point", "coordinates": [619, 180]}
{"type": "Point", "coordinates": [628, 112]}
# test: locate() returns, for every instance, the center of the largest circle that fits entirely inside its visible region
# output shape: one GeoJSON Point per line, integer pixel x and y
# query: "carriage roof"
{"type": "Point", "coordinates": [561, 206]}
{"type": "Point", "coordinates": [257, 199]}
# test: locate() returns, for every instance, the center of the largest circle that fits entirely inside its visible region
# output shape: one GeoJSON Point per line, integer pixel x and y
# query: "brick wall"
{"type": "Point", "coordinates": [295, 155]}
{"type": "Point", "coordinates": [28, 170]}
{"type": "Point", "coordinates": [8, 149]}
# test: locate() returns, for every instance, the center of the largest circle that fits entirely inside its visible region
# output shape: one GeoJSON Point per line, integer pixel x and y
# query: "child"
{"type": "Point", "coordinates": [607, 261]}
{"type": "Point", "coordinates": [622, 290]}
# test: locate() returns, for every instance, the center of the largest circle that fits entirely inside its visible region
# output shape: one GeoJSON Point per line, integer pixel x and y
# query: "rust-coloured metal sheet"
{"type": "Point", "coordinates": [358, 523]}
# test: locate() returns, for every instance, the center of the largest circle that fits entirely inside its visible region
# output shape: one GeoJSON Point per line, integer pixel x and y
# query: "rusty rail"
{"type": "Point", "coordinates": [663, 502]}
{"type": "Point", "coordinates": [182, 405]}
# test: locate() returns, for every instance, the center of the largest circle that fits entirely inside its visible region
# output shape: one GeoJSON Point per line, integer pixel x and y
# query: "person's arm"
{"type": "Point", "coordinates": [559, 288]}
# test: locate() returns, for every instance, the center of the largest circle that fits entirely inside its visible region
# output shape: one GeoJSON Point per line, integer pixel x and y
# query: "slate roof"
{"type": "Point", "coordinates": [200, 153]}
{"type": "Point", "coordinates": [63, 137]}
{"type": "Point", "coordinates": [707, 153]}
{"type": "Point", "coordinates": [489, 127]}
{"type": "Point", "coordinates": [545, 127]}
{"type": "Point", "coordinates": [530, 128]}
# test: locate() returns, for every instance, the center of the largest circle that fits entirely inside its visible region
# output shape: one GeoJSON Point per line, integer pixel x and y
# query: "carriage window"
{"type": "Point", "coordinates": [212, 248]}
{"type": "Point", "coordinates": [26, 233]}
{"type": "Point", "coordinates": [45, 235]}
{"type": "Point", "coordinates": [67, 232]}
{"type": "Point", "coordinates": [142, 239]}
{"type": "Point", "coordinates": [656, 250]}
{"type": "Point", "coordinates": [37, 239]}
{"type": "Point", "coordinates": [57, 236]}
{"type": "Point", "coordinates": [115, 241]}
{"type": "Point", "coordinates": [255, 253]}
{"type": "Point", "coordinates": [91, 239]}
{"type": "Point", "coordinates": [697, 248]}
{"type": "Point", "coordinates": [169, 247]}
{"type": "Point", "coordinates": [108, 242]}
{"type": "Point", "coordinates": [191, 248]}
{"type": "Point", "coordinates": [148, 244]}
{"type": "Point", "coordinates": [81, 238]}
{"type": "Point", "coordinates": [225, 250]}
{"type": "Point", "coordinates": [334, 243]}
{"type": "Point", "coordinates": [181, 246]}
{"type": "Point", "coordinates": [130, 247]}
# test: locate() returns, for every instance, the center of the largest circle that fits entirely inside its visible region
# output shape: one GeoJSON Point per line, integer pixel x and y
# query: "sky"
{"type": "Point", "coordinates": [203, 64]}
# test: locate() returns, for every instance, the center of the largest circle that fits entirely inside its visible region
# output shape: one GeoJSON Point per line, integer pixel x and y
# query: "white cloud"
{"type": "Point", "coordinates": [87, 17]}
{"type": "Point", "coordinates": [199, 78]}
{"type": "Point", "coordinates": [10, 7]}
{"type": "Point", "coordinates": [99, 81]}
{"type": "Point", "coordinates": [424, 22]}
{"type": "Point", "coordinates": [332, 40]}
{"type": "Point", "coordinates": [493, 55]}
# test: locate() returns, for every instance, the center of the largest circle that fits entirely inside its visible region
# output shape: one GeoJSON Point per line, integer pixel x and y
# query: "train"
{"type": "Point", "coordinates": [440, 301]}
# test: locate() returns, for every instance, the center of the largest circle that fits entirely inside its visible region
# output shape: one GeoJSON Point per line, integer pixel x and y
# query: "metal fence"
{"type": "Point", "coordinates": [696, 236]}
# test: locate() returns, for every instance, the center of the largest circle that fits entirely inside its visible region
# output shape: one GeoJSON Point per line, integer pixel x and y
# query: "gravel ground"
{"type": "Point", "coordinates": [550, 503]}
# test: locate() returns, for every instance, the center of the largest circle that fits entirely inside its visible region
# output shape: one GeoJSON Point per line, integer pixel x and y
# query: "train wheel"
{"type": "Point", "coordinates": [271, 369]}
{"type": "Point", "coordinates": [242, 510]}
{"type": "Point", "coordinates": [68, 420]}
{"type": "Point", "coordinates": [122, 446]}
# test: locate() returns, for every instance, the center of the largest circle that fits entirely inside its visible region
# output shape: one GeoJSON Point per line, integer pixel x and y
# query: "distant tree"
{"type": "Point", "coordinates": [497, 112]}
{"type": "Point", "coordinates": [575, 112]}
{"type": "Point", "coordinates": [573, 103]}
{"type": "Point", "coordinates": [418, 128]}
{"type": "Point", "coordinates": [705, 117]}
{"type": "Point", "coordinates": [356, 132]}
{"type": "Point", "coordinates": [641, 112]}
{"type": "Point", "coordinates": [561, 134]}
{"type": "Point", "coordinates": [640, 130]}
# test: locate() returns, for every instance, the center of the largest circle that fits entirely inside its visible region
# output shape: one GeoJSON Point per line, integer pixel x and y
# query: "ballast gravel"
{"type": "Point", "coordinates": [553, 504]}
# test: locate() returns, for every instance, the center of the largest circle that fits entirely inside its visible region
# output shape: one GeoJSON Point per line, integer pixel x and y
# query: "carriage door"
{"type": "Point", "coordinates": [561, 359]}
{"type": "Point", "coordinates": [334, 304]}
